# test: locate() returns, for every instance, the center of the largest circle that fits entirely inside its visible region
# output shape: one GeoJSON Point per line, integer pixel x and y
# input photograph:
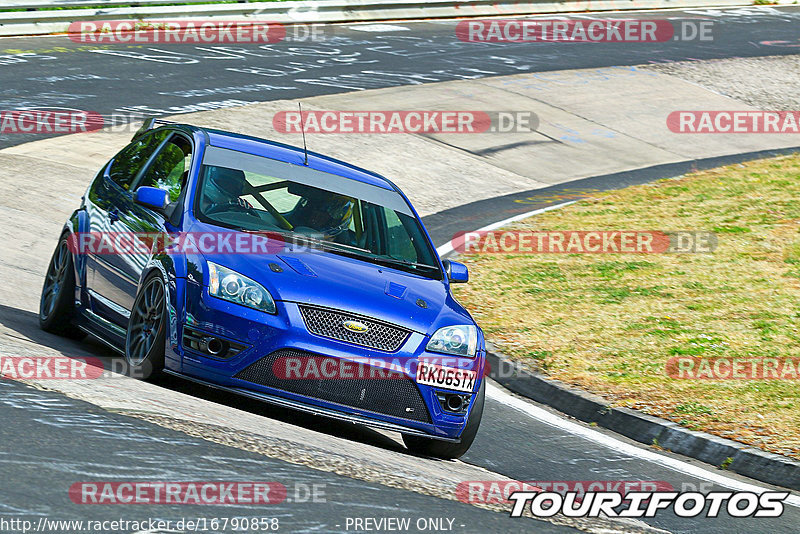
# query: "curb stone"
{"type": "Point", "coordinates": [747, 461]}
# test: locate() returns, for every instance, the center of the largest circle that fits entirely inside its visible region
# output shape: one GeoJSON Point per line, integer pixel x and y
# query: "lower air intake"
{"type": "Point", "coordinates": [393, 396]}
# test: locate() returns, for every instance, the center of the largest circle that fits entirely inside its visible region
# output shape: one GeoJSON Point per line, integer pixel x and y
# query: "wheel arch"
{"type": "Point", "coordinates": [77, 223]}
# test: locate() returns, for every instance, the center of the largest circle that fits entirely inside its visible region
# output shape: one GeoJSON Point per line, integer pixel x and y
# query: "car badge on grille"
{"type": "Point", "coordinates": [355, 326]}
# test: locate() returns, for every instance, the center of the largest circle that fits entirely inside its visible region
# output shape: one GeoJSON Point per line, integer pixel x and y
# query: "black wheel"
{"type": "Point", "coordinates": [451, 451]}
{"type": "Point", "coordinates": [57, 304]}
{"type": "Point", "coordinates": [144, 342]}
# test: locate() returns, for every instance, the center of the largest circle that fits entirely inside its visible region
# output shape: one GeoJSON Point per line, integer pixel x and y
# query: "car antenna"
{"type": "Point", "coordinates": [302, 129]}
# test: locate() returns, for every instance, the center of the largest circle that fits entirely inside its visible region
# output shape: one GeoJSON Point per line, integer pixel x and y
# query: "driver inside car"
{"type": "Point", "coordinates": [227, 187]}
{"type": "Point", "coordinates": [326, 213]}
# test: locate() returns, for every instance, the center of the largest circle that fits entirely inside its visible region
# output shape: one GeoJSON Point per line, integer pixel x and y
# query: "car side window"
{"type": "Point", "coordinates": [127, 164]}
{"type": "Point", "coordinates": [170, 168]}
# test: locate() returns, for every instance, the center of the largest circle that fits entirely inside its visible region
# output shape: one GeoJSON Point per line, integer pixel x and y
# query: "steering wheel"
{"type": "Point", "coordinates": [231, 206]}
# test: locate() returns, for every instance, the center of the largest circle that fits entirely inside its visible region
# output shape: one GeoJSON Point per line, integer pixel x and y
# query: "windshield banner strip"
{"type": "Point", "coordinates": [232, 159]}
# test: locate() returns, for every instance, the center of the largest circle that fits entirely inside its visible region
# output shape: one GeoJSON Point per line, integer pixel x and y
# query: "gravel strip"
{"type": "Point", "coordinates": [771, 83]}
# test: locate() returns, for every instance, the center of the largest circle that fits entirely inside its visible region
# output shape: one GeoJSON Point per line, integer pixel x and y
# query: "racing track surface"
{"type": "Point", "coordinates": [51, 441]}
{"type": "Point", "coordinates": [170, 79]}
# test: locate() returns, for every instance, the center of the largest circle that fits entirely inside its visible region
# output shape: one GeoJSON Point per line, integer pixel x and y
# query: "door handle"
{"type": "Point", "coordinates": [113, 216]}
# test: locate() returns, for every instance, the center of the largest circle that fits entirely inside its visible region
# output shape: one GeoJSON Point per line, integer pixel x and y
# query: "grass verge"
{"type": "Point", "coordinates": [610, 322]}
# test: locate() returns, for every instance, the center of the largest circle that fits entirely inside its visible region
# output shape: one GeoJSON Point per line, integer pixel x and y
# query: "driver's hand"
{"type": "Point", "coordinates": [243, 203]}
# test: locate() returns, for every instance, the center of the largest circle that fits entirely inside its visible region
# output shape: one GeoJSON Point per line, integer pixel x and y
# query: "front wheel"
{"type": "Point", "coordinates": [443, 449]}
{"type": "Point", "coordinates": [145, 340]}
{"type": "Point", "coordinates": [57, 304]}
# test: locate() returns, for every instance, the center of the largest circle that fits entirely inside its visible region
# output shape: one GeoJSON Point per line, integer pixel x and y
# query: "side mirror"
{"type": "Point", "coordinates": [457, 273]}
{"type": "Point", "coordinates": [151, 197]}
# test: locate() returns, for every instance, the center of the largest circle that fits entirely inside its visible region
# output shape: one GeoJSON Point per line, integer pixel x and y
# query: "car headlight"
{"type": "Point", "coordinates": [459, 340]}
{"type": "Point", "coordinates": [229, 285]}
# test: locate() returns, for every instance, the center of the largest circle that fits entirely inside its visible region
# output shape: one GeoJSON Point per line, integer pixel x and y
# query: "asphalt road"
{"type": "Point", "coordinates": [49, 442]}
{"type": "Point", "coordinates": [165, 79]}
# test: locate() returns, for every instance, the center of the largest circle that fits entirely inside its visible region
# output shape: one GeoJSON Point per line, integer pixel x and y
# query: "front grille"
{"type": "Point", "coordinates": [330, 323]}
{"type": "Point", "coordinates": [396, 396]}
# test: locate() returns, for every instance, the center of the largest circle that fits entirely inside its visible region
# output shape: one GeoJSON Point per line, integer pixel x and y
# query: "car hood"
{"type": "Point", "coordinates": [331, 280]}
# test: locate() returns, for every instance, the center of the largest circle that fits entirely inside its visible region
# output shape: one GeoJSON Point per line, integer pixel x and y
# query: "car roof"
{"type": "Point", "coordinates": [289, 154]}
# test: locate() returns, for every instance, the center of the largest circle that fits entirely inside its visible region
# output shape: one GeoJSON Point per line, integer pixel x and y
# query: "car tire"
{"type": "Point", "coordinates": [147, 330]}
{"type": "Point", "coordinates": [57, 302]}
{"type": "Point", "coordinates": [446, 450]}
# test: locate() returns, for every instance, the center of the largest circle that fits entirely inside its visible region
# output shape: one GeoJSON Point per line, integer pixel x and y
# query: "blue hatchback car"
{"type": "Point", "coordinates": [282, 275]}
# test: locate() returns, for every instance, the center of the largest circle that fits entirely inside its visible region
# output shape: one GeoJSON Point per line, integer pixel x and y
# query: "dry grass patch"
{"type": "Point", "coordinates": [609, 322]}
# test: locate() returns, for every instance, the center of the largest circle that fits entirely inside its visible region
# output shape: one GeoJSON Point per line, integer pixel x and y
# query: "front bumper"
{"type": "Point", "coordinates": [264, 334]}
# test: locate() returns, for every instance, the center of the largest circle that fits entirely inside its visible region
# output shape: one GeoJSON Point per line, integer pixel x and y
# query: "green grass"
{"type": "Point", "coordinates": [609, 323]}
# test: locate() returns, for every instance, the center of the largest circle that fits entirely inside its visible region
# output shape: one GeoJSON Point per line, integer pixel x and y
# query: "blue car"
{"type": "Point", "coordinates": [275, 273]}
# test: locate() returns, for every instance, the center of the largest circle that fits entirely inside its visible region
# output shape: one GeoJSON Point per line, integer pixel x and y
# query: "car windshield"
{"type": "Point", "coordinates": [348, 217]}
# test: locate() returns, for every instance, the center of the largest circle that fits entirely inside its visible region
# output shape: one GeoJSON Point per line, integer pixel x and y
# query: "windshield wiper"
{"type": "Point", "coordinates": [325, 244]}
{"type": "Point", "coordinates": [397, 261]}
{"type": "Point", "coordinates": [334, 244]}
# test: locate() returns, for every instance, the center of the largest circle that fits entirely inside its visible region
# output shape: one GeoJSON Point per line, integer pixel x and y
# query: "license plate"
{"type": "Point", "coordinates": [446, 377]}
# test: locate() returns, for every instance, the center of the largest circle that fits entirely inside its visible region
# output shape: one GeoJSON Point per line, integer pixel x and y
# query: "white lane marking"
{"type": "Point", "coordinates": [594, 436]}
{"type": "Point", "coordinates": [629, 449]}
{"type": "Point", "coordinates": [378, 28]}
{"type": "Point", "coordinates": [447, 248]}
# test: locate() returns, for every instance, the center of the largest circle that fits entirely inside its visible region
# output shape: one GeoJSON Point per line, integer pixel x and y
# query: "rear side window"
{"type": "Point", "coordinates": [127, 164]}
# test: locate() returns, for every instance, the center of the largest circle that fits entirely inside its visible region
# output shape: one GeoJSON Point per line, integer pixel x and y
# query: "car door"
{"type": "Point", "coordinates": [109, 200]}
{"type": "Point", "coordinates": [169, 170]}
